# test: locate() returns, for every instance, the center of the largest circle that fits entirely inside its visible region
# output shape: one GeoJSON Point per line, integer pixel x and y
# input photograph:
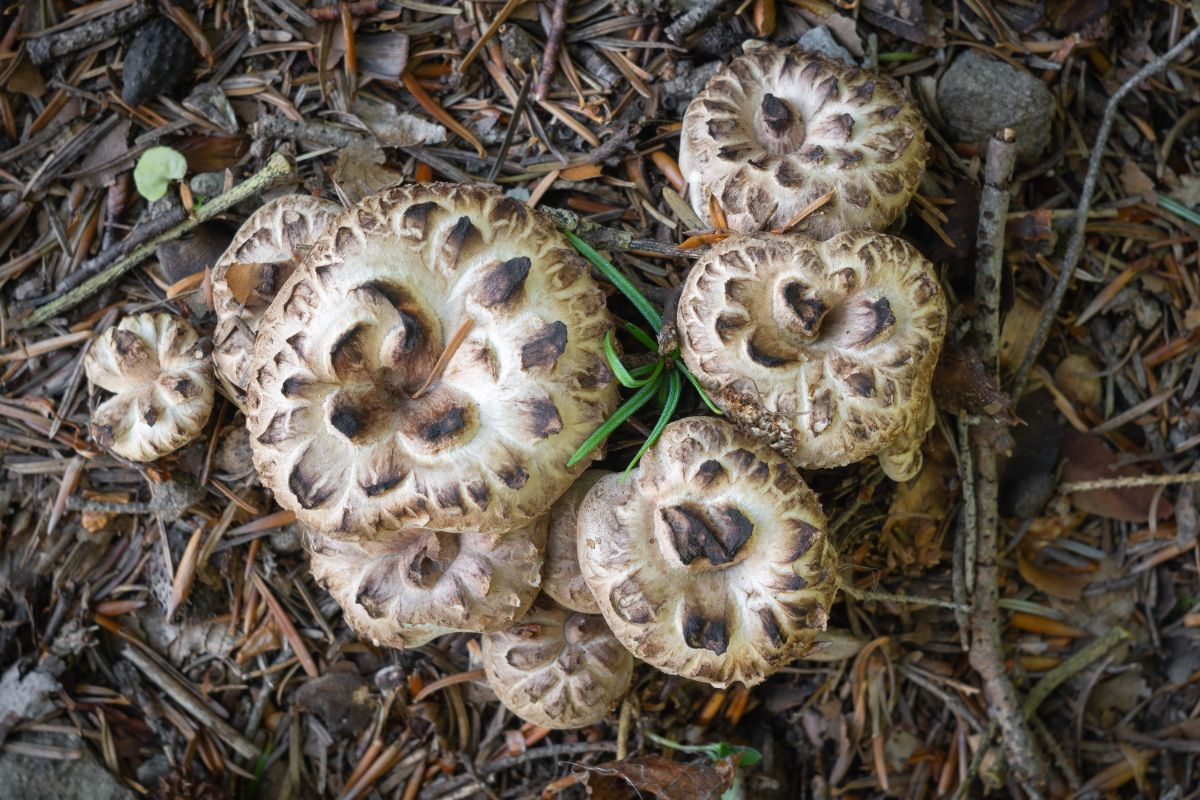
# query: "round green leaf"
{"type": "Point", "coordinates": [155, 170]}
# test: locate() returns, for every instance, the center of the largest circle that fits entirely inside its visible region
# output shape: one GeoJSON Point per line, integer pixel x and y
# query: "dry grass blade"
{"type": "Point", "coordinates": [285, 624]}
{"type": "Point", "coordinates": [448, 352]}
{"type": "Point", "coordinates": [807, 211]}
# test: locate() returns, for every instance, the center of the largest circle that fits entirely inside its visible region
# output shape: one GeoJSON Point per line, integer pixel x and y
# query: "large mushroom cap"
{"type": "Point", "coordinates": [779, 128]}
{"type": "Point", "coordinates": [161, 378]}
{"type": "Point", "coordinates": [407, 587]}
{"type": "Point", "coordinates": [562, 580]}
{"type": "Point", "coordinates": [342, 430]}
{"type": "Point", "coordinates": [824, 349]}
{"type": "Point", "coordinates": [556, 667]}
{"type": "Point", "coordinates": [711, 560]}
{"type": "Point", "coordinates": [268, 247]}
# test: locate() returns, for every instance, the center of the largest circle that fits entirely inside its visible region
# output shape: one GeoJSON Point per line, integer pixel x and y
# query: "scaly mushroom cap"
{"type": "Point", "coordinates": [341, 429]}
{"type": "Point", "coordinates": [556, 667]}
{"type": "Point", "coordinates": [273, 241]}
{"type": "Point", "coordinates": [825, 350]}
{"type": "Point", "coordinates": [162, 383]}
{"type": "Point", "coordinates": [711, 560]}
{"type": "Point", "coordinates": [561, 578]}
{"type": "Point", "coordinates": [405, 588]}
{"type": "Point", "coordinates": [779, 128]}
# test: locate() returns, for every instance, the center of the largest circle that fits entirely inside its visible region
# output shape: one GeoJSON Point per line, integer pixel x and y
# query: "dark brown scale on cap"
{"type": "Point", "coordinates": [544, 347]}
{"type": "Point", "coordinates": [776, 115]}
{"type": "Point", "coordinates": [708, 634]}
{"type": "Point", "coordinates": [717, 536]}
{"type": "Point", "coordinates": [503, 281]}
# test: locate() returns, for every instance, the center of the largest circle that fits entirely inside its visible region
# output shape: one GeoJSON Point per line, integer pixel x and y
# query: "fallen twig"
{"type": "Point", "coordinates": [276, 167]}
{"type": "Point", "coordinates": [558, 21]}
{"type": "Point", "coordinates": [989, 439]}
{"type": "Point", "coordinates": [1075, 243]}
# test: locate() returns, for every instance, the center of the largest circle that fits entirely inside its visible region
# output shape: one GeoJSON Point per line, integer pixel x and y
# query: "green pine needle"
{"type": "Point", "coordinates": [614, 276]}
{"type": "Point", "coordinates": [627, 410]}
{"type": "Point", "coordinates": [626, 378]}
{"type": "Point", "coordinates": [674, 387]}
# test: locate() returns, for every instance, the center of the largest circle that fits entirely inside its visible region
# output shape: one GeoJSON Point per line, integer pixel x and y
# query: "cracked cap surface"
{"type": "Point", "coordinates": [825, 350]}
{"type": "Point", "coordinates": [556, 667]}
{"type": "Point", "coordinates": [711, 560]}
{"type": "Point", "coordinates": [159, 372]}
{"type": "Point", "coordinates": [340, 428]}
{"type": "Point", "coordinates": [778, 128]}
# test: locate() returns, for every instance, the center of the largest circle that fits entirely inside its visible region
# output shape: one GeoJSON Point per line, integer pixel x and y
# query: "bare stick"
{"type": "Point", "coordinates": [993, 214]}
{"type": "Point", "coordinates": [188, 701]}
{"type": "Point", "coordinates": [1130, 482]}
{"type": "Point", "coordinates": [277, 166]}
{"type": "Point", "coordinates": [1075, 244]}
{"type": "Point", "coordinates": [558, 21]}
{"type": "Point", "coordinates": [987, 440]}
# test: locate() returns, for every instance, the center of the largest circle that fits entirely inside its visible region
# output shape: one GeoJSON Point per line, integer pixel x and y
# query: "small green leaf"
{"type": "Point", "coordinates": [749, 756]}
{"type": "Point", "coordinates": [644, 306]}
{"type": "Point", "coordinates": [155, 170]}
{"type": "Point", "coordinates": [627, 410]}
{"type": "Point", "coordinates": [674, 386]}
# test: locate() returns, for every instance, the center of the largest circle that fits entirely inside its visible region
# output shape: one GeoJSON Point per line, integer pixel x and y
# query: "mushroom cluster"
{"type": "Point", "coordinates": [418, 370]}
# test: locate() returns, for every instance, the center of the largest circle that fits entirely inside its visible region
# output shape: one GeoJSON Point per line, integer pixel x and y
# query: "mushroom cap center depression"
{"type": "Point", "coordinates": [704, 537]}
{"type": "Point", "coordinates": [381, 373]}
{"type": "Point", "coordinates": [778, 125]}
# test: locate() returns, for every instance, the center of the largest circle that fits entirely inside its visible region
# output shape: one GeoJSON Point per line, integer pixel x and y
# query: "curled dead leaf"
{"type": "Point", "coordinates": [1086, 458]}
{"type": "Point", "coordinates": [1063, 585]}
{"type": "Point", "coordinates": [656, 776]}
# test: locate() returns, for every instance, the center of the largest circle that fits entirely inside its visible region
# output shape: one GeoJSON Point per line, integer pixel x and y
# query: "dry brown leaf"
{"type": "Point", "coordinates": [254, 284]}
{"type": "Point", "coordinates": [1133, 180]}
{"type": "Point", "coordinates": [961, 382]}
{"type": "Point", "coordinates": [656, 776]}
{"type": "Point", "coordinates": [1063, 585]}
{"type": "Point", "coordinates": [1079, 379]}
{"type": "Point", "coordinates": [1017, 332]}
{"type": "Point", "coordinates": [1086, 458]}
{"type": "Point", "coordinates": [911, 529]}
{"type": "Point", "coordinates": [581, 172]}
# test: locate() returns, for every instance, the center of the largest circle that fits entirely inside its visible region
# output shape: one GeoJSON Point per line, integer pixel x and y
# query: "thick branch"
{"type": "Point", "coordinates": [993, 212]}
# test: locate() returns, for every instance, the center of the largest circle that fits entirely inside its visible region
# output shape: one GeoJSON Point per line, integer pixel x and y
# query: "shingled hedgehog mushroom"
{"type": "Point", "coordinates": [159, 372]}
{"type": "Point", "coordinates": [779, 128]}
{"type": "Point", "coordinates": [433, 363]}
{"type": "Point", "coordinates": [711, 560]}
{"type": "Point", "coordinates": [825, 350]}
{"type": "Point", "coordinates": [263, 253]}
{"type": "Point", "coordinates": [561, 579]}
{"type": "Point", "coordinates": [404, 588]}
{"type": "Point", "coordinates": [556, 667]}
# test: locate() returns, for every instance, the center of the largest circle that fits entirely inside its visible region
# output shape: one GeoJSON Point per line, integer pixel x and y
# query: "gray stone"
{"type": "Point", "coordinates": [820, 40]}
{"type": "Point", "coordinates": [979, 95]}
{"type": "Point", "coordinates": [28, 778]}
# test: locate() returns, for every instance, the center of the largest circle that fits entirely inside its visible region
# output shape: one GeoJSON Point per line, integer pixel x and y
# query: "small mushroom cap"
{"type": "Point", "coordinates": [826, 350]}
{"type": "Point", "coordinates": [556, 667]}
{"type": "Point", "coordinates": [561, 579]}
{"type": "Point", "coordinates": [271, 244]}
{"type": "Point", "coordinates": [405, 588]}
{"type": "Point", "coordinates": [779, 128]}
{"type": "Point", "coordinates": [347, 433]}
{"type": "Point", "coordinates": [159, 372]}
{"type": "Point", "coordinates": [710, 561]}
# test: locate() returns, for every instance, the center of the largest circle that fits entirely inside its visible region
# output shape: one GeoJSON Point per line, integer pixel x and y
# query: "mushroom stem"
{"type": "Point", "coordinates": [452, 346]}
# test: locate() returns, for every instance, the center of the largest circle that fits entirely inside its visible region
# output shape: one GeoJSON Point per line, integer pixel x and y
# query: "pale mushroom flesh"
{"type": "Point", "coordinates": [562, 580]}
{"type": "Point", "coordinates": [405, 588]}
{"type": "Point", "coordinates": [264, 252]}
